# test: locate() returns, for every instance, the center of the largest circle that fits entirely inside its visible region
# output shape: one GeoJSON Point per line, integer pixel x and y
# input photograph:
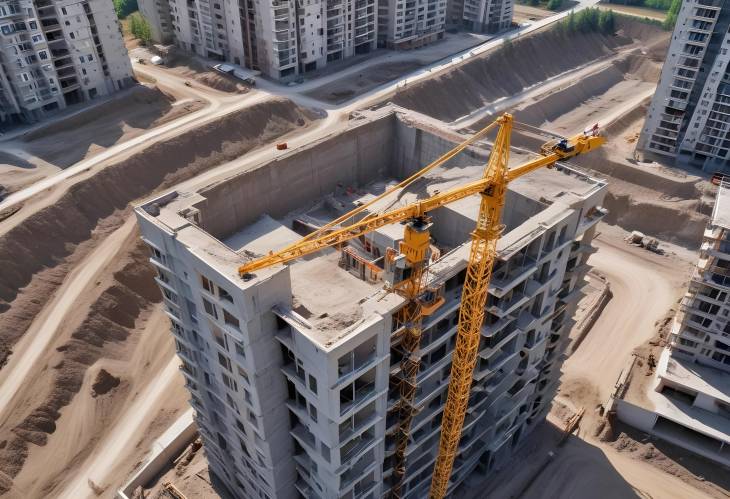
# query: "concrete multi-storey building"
{"type": "Point", "coordinates": [689, 115]}
{"type": "Point", "coordinates": [158, 15]}
{"type": "Point", "coordinates": [293, 372]}
{"type": "Point", "coordinates": [281, 38]}
{"type": "Point", "coordinates": [487, 16]}
{"type": "Point", "coordinates": [701, 331]}
{"type": "Point", "coordinates": [58, 52]}
{"type": "Point", "coordinates": [407, 24]}
{"type": "Point", "coordinates": [687, 400]}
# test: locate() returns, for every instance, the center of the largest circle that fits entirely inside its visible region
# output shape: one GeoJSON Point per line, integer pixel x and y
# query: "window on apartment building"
{"type": "Point", "coordinates": [210, 308]}
{"type": "Point", "coordinates": [33, 25]}
{"type": "Point", "coordinates": [224, 361]}
{"type": "Point", "coordinates": [243, 374]}
{"type": "Point", "coordinates": [229, 382]}
{"type": "Point", "coordinates": [252, 419]}
{"type": "Point", "coordinates": [89, 58]}
{"type": "Point", "coordinates": [207, 285]}
{"type": "Point", "coordinates": [192, 310]}
{"type": "Point", "coordinates": [231, 320]}
{"type": "Point", "coordinates": [313, 412]}
{"type": "Point", "coordinates": [239, 349]}
{"type": "Point", "coordinates": [224, 295]}
{"type": "Point", "coordinates": [220, 337]}
{"type": "Point", "coordinates": [43, 55]}
{"type": "Point", "coordinates": [325, 451]}
{"type": "Point", "coordinates": [313, 384]}
{"type": "Point", "coordinates": [72, 35]}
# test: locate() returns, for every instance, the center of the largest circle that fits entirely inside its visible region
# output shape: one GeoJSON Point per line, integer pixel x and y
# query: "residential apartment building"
{"type": "Point", "coordinates": [701, 330]}
{"type": "Point", "coordinates": [294, 372]}
{"type": "Point", "coordinates": [689, 115]}
{"type": "Point", "coordinates": [487, 16]}
{"type": "Point", "coordinates": [158, 15]}
{"type": "Point", "coordinates": [281, 38]}
{"type": "Point", "coordinates": [407, 24]}
{"type": "Point", "coordinates": [58, 52]}
{"type": "Point", "coordinates": [687, 400]}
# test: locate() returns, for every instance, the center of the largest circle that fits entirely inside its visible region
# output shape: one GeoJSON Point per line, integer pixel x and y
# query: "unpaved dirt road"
{"type": "Point", "coordinates": [645, 286]}
{"type": "Point", "coordinates": [121, 438]}
{"type": "Point", "coordinates": [41, 333]}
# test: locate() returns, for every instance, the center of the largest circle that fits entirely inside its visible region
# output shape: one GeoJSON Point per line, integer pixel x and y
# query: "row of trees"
{"type": "Point", "coordinates": [662, 5]}
{"type": "Point", "coordinates": [671, 18]}
{"type": "Point", "coordinates": [588, 20]}
{"type": "Point", "coordinates": [140, 28]}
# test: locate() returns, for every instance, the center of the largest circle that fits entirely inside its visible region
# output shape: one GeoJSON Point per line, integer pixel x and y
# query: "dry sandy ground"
{"type": "Point", "coordinates": [633, 10]}
{"type": "Point", "coordinates": [195, 69]}
{"type": "Point", "coordinates": [50, 434]}
{"type": "Point", "coordinates": [645, 286]}
{"type": "Point", "coordinates": [46, 149]}
{"type": "Point", "coordinates": [523, 13]}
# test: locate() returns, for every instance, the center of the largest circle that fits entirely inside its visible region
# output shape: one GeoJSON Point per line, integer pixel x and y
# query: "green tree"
{"type": "Point", "coordinates": [555, 4]}
{"type": "Point", "coordinates": [607, 22]}
{"type": "Point", "coordinates": [140, 28]}
{"type": "Point", "coordinates": [123, 8]}
{"type": "Point", "coordinates": [671, 18]}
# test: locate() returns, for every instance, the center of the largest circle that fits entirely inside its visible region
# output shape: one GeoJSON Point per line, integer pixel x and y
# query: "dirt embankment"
{"type": "Point", "coordinates": [510, 70]}
{"type": "Point", "coordinates": [68, 141]}
{"type": "Point", "coordinates": [643, 197]}
{"type": "Point", "coordinates": [37, 253]}
{"type": "Point", "coordinates": [571, 108]}
{"type": "Point", "coordinates": [110, 319]}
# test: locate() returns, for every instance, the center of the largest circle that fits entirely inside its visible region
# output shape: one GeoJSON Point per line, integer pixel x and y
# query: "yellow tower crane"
{"type": "Point", "coordinates": [492, 188]}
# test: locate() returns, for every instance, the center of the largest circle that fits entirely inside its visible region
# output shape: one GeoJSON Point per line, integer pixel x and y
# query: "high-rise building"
{"type": "Point", "coordinates": [487, 16]}
{"type": "Point", "coordinates": [684, 395]}
{"type": "Point", "coordinates": [689, 115]}
{"type": "Point", "coordinates": [281, 38]}
{"type": "Point", "coordinates": [294, 372]}
{"type": "Point", "coordinates": [58, 52]}
{"type": "Point", "coordinates": [407, 24]}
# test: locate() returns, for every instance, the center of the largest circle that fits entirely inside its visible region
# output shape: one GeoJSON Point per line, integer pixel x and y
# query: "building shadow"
{"type": "Point", "coordinates": [703, 468]}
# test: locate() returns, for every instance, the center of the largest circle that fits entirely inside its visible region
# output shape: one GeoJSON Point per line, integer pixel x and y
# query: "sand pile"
{"type": "Point", "coordinates": [623, 77]}
{"type": "Point", "coordinates": [107, 325]}
{"type": "Point", "coordinates": [508, 71]}
{"type": "Point", "coordinates": [36, 253]}
{"type": "Point", "coordinates": [104, 383]}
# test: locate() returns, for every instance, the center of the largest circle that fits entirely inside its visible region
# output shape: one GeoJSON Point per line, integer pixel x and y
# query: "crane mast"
{"type": "Point", "coordinates": [471, 313]}
{"type": "Point", "coordinates": [415, 246]}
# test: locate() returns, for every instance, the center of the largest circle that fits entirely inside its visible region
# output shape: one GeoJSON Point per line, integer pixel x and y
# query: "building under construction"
{"type": "Point", "coordinates": [295, 371]}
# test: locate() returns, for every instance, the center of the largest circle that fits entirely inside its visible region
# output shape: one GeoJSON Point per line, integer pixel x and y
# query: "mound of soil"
{"type": "Point", "coordinates": [139, 96]}
{"type": "Point", "coordinates": [507, 71]}
{"type": "Point", "coordinates": [104, 383]}
{"type": "Point", "coordinates": [108, 322]}
{"type": "Point", "coordinates": [49, 239]}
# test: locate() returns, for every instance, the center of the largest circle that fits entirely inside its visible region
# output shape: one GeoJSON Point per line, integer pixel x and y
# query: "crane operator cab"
{"type": "Point", "coordinates": [568, 147]}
